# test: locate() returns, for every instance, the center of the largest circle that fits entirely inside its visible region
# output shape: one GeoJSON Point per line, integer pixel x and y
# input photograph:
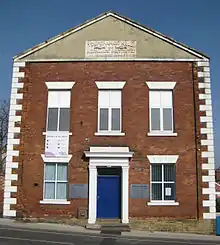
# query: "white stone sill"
{"type": "Point", "coordinates": [161, 134]}
{"type": "Point", "coordinates": [45, 133]}
{"type": "Point", "coordinates": [109, 134]}
{"type": "Point", "coordinates": [54, 202]}
{"type": "Point", "coordinates": [163, 203]}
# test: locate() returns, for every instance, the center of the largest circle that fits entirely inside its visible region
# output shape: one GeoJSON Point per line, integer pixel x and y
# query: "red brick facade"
{"type": "Point", "coordinates": [135, 125]}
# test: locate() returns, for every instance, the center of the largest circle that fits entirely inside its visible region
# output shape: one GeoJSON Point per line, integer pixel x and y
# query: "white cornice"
{"type": "Point", "coordinates": [161, 85]}
{"type": "Point", "coordinates": [110, 85]}
{"type": "Point", "coordinates": [60, 85]}
{"type": "Point", "coordinates": [162, 158]}
{"type": "Point", "coordinates": [56, 159]}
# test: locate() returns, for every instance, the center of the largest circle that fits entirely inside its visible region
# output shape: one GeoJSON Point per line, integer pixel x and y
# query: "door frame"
{"type": "Point", "coordinates": [108, 157]}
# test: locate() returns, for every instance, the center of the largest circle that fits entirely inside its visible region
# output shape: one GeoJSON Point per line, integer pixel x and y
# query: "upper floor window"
{"type": "Point", "coordinates": [161, 108]}
{"type": "Point", "coordinates": [110, 108]}
{"type": "Point", "coordinates": [58, 112]}
{"type": "Point", "coordinates": [58, 115]}
{"type": "Point", "coordinates": [161, 111]}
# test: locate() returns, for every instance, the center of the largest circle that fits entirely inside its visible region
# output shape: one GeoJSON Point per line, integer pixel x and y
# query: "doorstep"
{"type": "Point", "coordinates": [108, 227]}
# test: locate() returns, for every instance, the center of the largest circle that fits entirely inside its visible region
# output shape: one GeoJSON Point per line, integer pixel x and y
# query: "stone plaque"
{"type": "Point", "coordinates": [110, 49]}
{"type": "Point", "coordinates": [78, 191]}
{"type": "Point", "coordinates": [139, 191]}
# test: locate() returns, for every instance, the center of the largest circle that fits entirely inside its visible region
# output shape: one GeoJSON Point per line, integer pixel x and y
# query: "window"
{"type": "Point", "coordinates": [163, 183]}
{"type": "Point", "coordinates": [109, 111]}
{"type": "Point", "coordinates": [55, 181]}
{"type": "Point", "coordinates": [58, 115]}
{"type": "Point", "coordinates": [161, 111]}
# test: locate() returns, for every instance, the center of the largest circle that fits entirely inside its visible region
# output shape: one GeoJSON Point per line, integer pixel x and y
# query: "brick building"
{"type": "Point", "coordinates": [113, 117]}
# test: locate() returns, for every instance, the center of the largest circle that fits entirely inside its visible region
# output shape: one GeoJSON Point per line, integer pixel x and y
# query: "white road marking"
{"type": "Point", "coordinates": [35, 240]}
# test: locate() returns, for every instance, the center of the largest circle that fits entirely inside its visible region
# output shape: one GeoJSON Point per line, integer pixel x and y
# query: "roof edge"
{"type": "Point", "coordinates": [120, 17]}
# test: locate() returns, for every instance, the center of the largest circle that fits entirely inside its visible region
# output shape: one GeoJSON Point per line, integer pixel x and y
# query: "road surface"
{"type": "Point", "coordinates": [19, 236]}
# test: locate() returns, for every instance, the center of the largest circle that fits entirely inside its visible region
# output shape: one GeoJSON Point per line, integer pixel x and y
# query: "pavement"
{"type": "Point", "coordinates": [17, 233]}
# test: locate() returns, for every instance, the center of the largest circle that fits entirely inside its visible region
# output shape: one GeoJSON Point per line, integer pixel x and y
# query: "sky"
{"type": "Point", "coordinates": [196, 23]}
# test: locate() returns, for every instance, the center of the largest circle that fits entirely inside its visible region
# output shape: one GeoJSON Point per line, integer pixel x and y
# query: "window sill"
{"type": "Point", "coordinates": [54, 202]}
{"type": "Point", "coordinates": [54, 132]}
{"type": "Point", "coordinates": [161, 134]}
{"type": "Point", "coordinates": [162, 203]}
{"type": "Point", "coordinates": [109, 134]}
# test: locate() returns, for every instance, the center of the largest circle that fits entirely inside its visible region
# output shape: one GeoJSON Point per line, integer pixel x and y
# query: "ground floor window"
{"type": "Point", "coordinates": [55, 181]}
{"type": "Point", "coordinates": [163, 182]}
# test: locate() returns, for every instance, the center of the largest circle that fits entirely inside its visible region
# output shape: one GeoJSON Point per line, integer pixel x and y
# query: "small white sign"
{"type": "Point", "coordinates": [168, 191]}
{"type": "Point", "coordinates": [56, 145]}
{"type": "Point", "coordinates": [110, 49]}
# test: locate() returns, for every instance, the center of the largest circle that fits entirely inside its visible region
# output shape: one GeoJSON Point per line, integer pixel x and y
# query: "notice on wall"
{"type": "Point", "coordinates": [56, 145]}
{"type": "Point", "coordinates": [139, 191]}
{"type": "Point", "coordinates": [168, 191]}
{"type": "Point", "coordinates": [78, 191]}
{"type": "Point", "coordinates": [110, 49]}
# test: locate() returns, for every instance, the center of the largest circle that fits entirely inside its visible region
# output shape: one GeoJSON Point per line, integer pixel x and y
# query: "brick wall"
{"type": "Point", "coordinates": [135, 124]}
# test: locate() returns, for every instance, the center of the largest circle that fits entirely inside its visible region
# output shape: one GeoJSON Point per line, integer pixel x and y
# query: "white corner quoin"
{"type": "Point", "coordinates": [108, 157]}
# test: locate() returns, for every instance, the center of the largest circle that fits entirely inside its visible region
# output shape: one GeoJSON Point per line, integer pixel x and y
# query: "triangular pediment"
{"type": "Point", "coordinates": [110, 36]}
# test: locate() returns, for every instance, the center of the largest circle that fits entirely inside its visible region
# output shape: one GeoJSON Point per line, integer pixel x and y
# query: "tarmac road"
{"type": "Point", "coordinates": [23, 236]}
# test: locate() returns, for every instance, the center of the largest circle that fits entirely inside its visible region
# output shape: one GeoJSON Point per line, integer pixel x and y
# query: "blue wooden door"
{"type": "Point", "coordinates": [108, 197]}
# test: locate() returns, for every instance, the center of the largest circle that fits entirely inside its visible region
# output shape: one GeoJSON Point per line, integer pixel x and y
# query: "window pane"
{"type": "Point", "coordinates": [169, 191]}
{"type": "Point", "coordinates": [52, 119]}
{"type": "Point", "coordinates": [156, 172]}
{"type": "Point", "coordinates": [169, 172]}
{"type": "Point", "coordinates": [167, 119]}
{"type": "Point", "coordinates": [50, 171]}
{"type": "Point", "coordinates": [116, 119]}
{"type": "Point", "coordinates": [61, 191]}
{"type": "Point", "coordinates": [156, 192]}
{"type": "Point", "coordinates": [49, 192]}
{"type": "Point", "coordinates": [62, 172]}
{"type": "Point", "coordinates": [103, 124]}
{"type": "Point", "coordinates": [155, 119]}
{"type": "Point", "coordinates": [64, 119]}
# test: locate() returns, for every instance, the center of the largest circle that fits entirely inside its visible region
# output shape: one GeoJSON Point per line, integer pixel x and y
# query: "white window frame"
{"type": "Point", "coordinates": [161, 87]}
{"type": "Point", "coordinates": [162, 182]}
{"type": "Point", "coordinates": [110, 86]}
{"type": "Point", "coordinates": [161, 159]}
{"type": "Point", "coordinates": [60, 86]}
{"type": "Point", "coordinates": [58, 119]}
{"type": "Point", "coordinates": [55, 200]}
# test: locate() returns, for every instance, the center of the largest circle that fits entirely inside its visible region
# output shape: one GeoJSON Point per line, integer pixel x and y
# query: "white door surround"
{"type": "Point", "coordinates": [108, 157]}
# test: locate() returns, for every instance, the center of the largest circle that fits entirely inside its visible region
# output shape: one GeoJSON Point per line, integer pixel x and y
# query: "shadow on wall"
{"type": "Point", "coordinates": [2, 178]}
{"type": "Point", "coordinates": [218, 205]}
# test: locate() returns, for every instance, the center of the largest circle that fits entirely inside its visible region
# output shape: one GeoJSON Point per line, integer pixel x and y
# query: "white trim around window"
{"type": "Point", "coordinates": [161, 121]}
{"type": "Point", "coordinates": [161, 85]}
{"type": "Point", "coordinates": [60, 85]}
{"type": "Point", "coordinates": [110, 85]}
{"type": "Point", "coordinates": [65, 159]}
{"type": "Point", "coordinates": [163, 203]}
{"type": "Point", "coordinates": [60, 202]}
{"type": "Point", "coordinates": [162, 160]}
{"type": "Point", "coordinates": [55, 180]}
{"type": "Point", "coordinates": [110, 108]}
